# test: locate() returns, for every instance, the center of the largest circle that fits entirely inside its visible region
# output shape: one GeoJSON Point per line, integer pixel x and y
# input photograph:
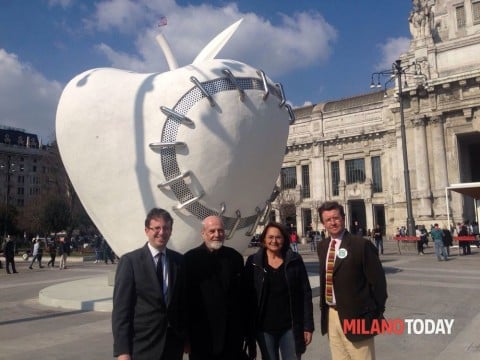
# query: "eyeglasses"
{"type": "Point", "coordinates": [158, 228]}
{"type": "Point", "coordinates": [333, 219]}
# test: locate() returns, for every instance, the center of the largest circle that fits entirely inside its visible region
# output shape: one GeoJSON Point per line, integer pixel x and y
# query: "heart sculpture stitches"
{"type": "Point", "coordinates": [204, 139]}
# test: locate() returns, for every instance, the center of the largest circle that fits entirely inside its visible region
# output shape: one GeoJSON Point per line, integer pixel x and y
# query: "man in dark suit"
{"type": "Point", "coordinates": [215, 304]}
{"type": "Point", "coordinates": [149, 312]}
{"type": "Point", "coordinates": [359, 288]}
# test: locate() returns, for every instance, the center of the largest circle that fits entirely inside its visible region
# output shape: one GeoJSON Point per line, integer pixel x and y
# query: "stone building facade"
{"type": "Point", "coordinates": [28, 169]}
{"type": "Point", "coordinates": [350, 150]}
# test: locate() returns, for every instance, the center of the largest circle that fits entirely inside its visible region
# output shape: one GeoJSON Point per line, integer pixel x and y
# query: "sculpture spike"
{"type": "Point", "coordinates": [167, 52]}
{"type": "Point", "coordinates": [216, 44]}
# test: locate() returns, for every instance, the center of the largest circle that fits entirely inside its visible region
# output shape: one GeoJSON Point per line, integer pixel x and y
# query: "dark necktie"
{"type": "Point", "coordinates": [329, 273]}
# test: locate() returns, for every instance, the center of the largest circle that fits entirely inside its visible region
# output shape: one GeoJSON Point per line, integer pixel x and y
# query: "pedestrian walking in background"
{"type": "Point", "coordinates": [97, 245]}
{"type": "Point", "coordinates": [63, 251]}
{"type": "Point", "coordinates": [465, 245]}
{"type": "Point", "coordinates": [9, 253]}
{"type": "Point", "coordinates": [294, 241]}
{"type": "Point", "coordinates": [37, 253]}
{"type": "Point", "coordinates": [52, 250]}
{"type": "Point", "coordinates": [314, 238]}
{"type": "Point", "coordinates": [420, 241]}
{"type": "Point", "coordinates": [107, 252]}
{"type": "Point", "coordinates": [447, 239]}
{"type": "Point", "coordinates": [378, 238]}
{"type": "Point", "coordinates": [437, 236]}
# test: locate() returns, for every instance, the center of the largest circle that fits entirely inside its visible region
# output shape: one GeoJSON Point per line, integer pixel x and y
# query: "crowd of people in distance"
{"type": "Point", "coordinates": [51, 247]}
{"type": "Point", "coordinates": [57, 248]}
{"type": "Point", "coordinates": [442, 238]}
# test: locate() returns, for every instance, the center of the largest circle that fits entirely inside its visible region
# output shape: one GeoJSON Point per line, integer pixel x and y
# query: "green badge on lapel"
{"type": "Point", "coordinates": [342, 253]}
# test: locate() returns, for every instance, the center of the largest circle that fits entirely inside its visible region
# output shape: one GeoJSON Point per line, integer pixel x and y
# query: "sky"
{"type": "Point", "coordinates": [319, 50]}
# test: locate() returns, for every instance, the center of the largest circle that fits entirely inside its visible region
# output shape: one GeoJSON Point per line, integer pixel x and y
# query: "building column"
{"type": "Point", "coordinates": [368, 166]}
{"type": "Point", "coordinates": [423, 192]}
{"type": "Point", "coordinates": [390, 181]}
{"type": "Point", "coordinates": [299, 223]}
{"type": "Point", "coordinates": [298, 199]}
{"type": "Point", "coordinates": [298, 173]}
{"type": "Point", "coordinates": [343, 172]}
{"type": "Point", "coordinates": [439, 166]}
{"type": "Point", "coordinates": [368, 191]}
{"type": "Point", "coordinates": [318, 173]}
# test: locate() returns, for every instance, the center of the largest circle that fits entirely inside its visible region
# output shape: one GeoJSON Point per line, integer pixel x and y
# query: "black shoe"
{"type": "Point", "coordinates": [30, 267]}
{"type": "Point", "coordinates": [8, 272]}
{"type": "Point", "coordinates": [41, 267]}
{"type": "Point", "coordinates": [15, 272]}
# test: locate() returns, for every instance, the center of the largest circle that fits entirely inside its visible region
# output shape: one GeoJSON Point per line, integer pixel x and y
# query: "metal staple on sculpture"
{"type": "Point", "coordinates": [171, 170]}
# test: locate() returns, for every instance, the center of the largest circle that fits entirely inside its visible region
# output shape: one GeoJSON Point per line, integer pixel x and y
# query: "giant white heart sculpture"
{"type": "Point", "coordinates": [204, 139]}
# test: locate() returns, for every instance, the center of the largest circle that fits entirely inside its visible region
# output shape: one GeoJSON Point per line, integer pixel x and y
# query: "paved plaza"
{"type": "Point", "coordinates": [419, 287]}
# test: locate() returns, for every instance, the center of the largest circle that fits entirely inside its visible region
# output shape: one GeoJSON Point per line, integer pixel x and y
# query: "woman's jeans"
{"type": "Point", "coordinates": [270, 344]}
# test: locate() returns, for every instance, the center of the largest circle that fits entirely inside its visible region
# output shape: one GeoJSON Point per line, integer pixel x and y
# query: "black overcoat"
{"type": "Point", "coordinates": [215, 301]}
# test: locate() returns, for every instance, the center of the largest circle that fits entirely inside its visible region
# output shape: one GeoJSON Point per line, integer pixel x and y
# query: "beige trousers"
{"type": "Point", "coordinates": [63, 261]}
{"type": "Point", "coordinates": [343, 349]}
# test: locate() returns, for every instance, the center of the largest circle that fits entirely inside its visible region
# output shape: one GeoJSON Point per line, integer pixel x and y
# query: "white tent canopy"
{"type": "Point", "coordinates": [470, 189]}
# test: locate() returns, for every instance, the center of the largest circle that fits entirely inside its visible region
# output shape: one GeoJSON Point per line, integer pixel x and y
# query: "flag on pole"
{"type": "Point", "coordinates": [163, 21]}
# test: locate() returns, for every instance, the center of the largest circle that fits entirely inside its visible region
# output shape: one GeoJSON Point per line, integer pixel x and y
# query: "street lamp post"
{"type": "Point", "coordinates": [396, 73]}
{"type": "Point", "coordinates": [406, 171]}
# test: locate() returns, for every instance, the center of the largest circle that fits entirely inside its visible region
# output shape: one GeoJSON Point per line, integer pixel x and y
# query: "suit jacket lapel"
{"type": "Point", "coordinates": [322, 253]}
{"type": "Point", "coordinates": [345, 244]}
{"type": "Point", "coordinates": [172, 275]}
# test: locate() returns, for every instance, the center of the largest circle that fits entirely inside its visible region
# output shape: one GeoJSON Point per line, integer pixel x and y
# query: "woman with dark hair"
{"type": "Point", "coordinates": [279, 297]}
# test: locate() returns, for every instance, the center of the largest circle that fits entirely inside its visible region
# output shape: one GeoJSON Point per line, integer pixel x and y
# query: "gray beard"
{"type": "Point", "coordinates": [215, 245]}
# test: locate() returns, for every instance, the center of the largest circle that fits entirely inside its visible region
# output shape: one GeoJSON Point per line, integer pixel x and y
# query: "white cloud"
{"type": "Point", "coordinates": [123, 15]}
{"type": "Point", "coordinates": [391, 51]}
{"type": "Point", "coordinates": [27, 99]}
{"type": "Point", "coordinates": [297, 41]}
